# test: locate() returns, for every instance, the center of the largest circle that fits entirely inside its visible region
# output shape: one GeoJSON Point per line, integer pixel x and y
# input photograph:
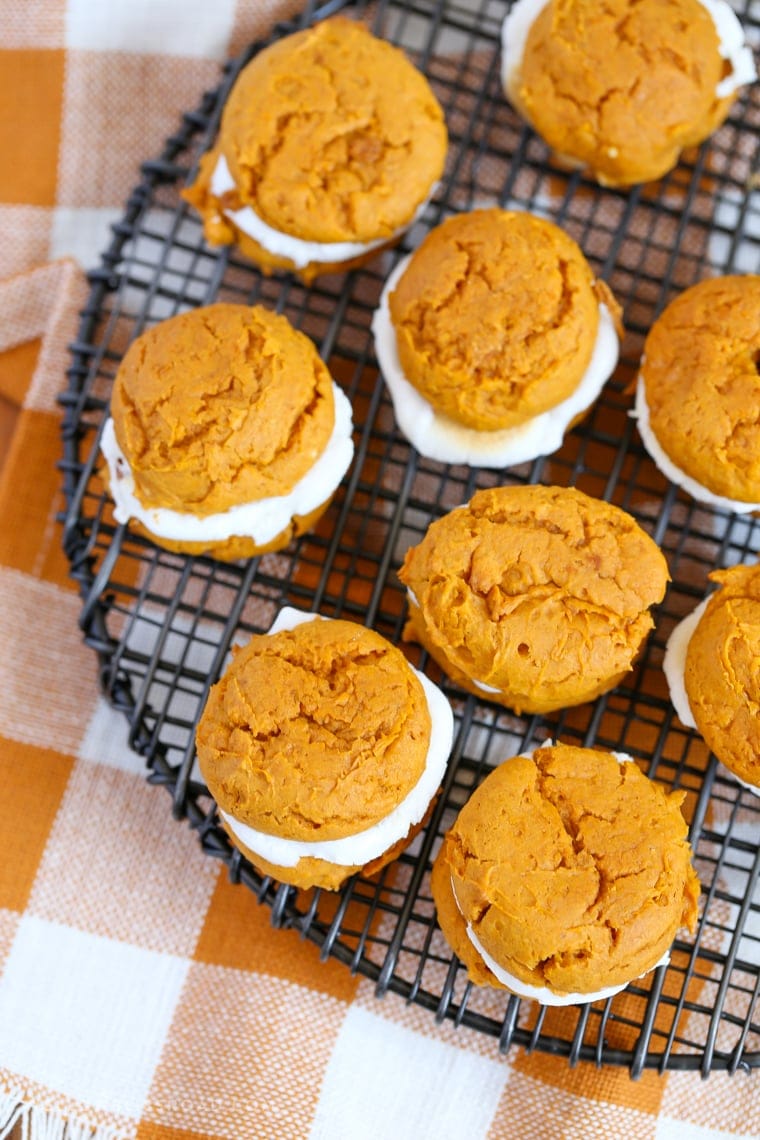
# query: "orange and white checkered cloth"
{"type": "Point", "coordinates": [139, 1004]}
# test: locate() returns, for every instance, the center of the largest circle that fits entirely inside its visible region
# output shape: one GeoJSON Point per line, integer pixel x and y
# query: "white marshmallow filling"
{"type": "Point", "coordinates": [543, 994]}
{"type": "Point", "coordinates": [732, 45]}
{"type": "Point", "coordinates": [439, 437]}
{"type": "Point", "coordinates": [671, 470]}
{"type": "Point", "coordinates": [364, 846]}
{"type": "Point", "coordinates": [297, 250]}
{"type": "Point", "coordinates": [674, 668]}
{"type": "Point", "coordinates": [262, 519]}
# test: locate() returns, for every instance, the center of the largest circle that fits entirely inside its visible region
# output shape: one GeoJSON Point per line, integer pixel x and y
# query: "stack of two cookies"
{"type": "Point", "coordinates": [567, 874]}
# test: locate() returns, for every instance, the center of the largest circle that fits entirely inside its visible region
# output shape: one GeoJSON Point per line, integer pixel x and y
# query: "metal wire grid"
{"type": "Point", "coordinates": [161, 625]}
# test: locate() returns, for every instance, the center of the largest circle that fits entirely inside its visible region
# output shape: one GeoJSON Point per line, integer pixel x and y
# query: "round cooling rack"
{"type": "Point", "coordinates": [161, 625]}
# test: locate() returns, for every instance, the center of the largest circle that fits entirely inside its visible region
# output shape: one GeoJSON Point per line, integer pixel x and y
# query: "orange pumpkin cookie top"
{"type": "Point", "coordinates": [722, 671]}
{"type": "Point", "coordinates": [221, 405]}
{"type": "Point", "coordinates": [621, 87]}
{"type": "Point", "coordinates": [572, 870]}
{"type": "Point", "coordinates": [332, 135]}
{"type": "Point", "coordinates": [314, 733]}
{"type": "Point", "coordinates": [496, 317]}
{"type": "Point", "coordinates": [701, 377]}
{"type": "Point", "coordinates": [537, 596]}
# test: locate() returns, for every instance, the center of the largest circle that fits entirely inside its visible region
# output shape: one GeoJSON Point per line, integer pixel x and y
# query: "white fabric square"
{"type": "Point", "coordinates": [730, 1112]}
{"type": "Point", "coordinates": [47, 676]}
{"type": "Point", "coordinates": [259, 1048]}
{"type": "Point", "coordinates": [384, 1080]}
{"type": "Point", "coordinates": [681, 1130]}
{"type": "Point", "coordinates": [95, 1029]}
{"type": "Point", "coordinates": [105, 741]}
{"type": "Point", "coordinates": [144, 881]}
{"type": "Point", "coordinates": [157, 27]}
{"type": "Point", "coordinates": [82, 233]}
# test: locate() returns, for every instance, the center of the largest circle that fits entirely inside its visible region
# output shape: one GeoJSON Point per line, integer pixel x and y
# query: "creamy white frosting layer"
{"type": "Point", "coordinates": [543, 994]}
{"type": "Point", "coordinates": [261, 520]}
{"type": "Point", "coordinates": [671, 470]}
{"type": "Point", "coordinates": [674, 668]}
{"type": "Point", "coordinates": [732, 44]}
{"type": "Point", "coordinates": [364, 846]}
{"type": "Point", "coordinates": [439, 437]}
{"type": "Point", "coordinates": [514, 33]}
{"type": "Point", "coordinates": [296, 250]}
{"type": "Point", "coordinates": [674, 663]}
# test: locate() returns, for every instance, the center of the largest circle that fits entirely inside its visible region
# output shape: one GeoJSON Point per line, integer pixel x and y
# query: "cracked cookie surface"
{"type": "Point", "coordinates": [535, 597]}
{"type": "Point", "coordinates": [330, 135]}
{"type": "Point", "coordinates": [722, 671]}
{"type": "Point", "coordinates": [701, 377]}
{"type": "Point", "coordinates": [572, 870]}
{"type": "Point", "coordinates": [496, 317]}
{"type": "Point", "coordinates": [314, 733]}
{"type": "Point", "coordinates": [221, 405]}
{"type": "Point", "coordinates": [621, 88]}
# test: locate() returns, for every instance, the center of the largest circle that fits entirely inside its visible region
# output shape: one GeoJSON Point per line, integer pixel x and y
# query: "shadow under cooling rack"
{"type": "Point", "coordinates": [162, 625]}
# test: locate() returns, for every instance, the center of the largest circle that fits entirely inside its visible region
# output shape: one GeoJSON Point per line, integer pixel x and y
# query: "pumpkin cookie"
{"type": "Point", "coordinates": [565, 876]}
{"type": "Point", "coordinates": [712, 663]}
{"type": "Point", "coordinates": [323, 749]}
{"type": "Point", "coordinates": [698, 395]}
{"type": "Point", "coordinates": [227, 435]}
{"type": "Point", "coordinates": [494, 337]}
{"type": "Point", "coordinates": [331, 144]}
{"type": "Point", "coordinates": [621, 88]}
{"type": "Point", "coordinates": [535, 597]}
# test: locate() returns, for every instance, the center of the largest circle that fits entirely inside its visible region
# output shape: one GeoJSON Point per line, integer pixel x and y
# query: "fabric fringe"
{"type": "Point", "coordinates": [33, 1123]}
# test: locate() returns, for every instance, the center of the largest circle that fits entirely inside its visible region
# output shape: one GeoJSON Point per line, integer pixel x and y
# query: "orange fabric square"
{"type": "Point", "coordinates": [33, 24]}
{"type": "Point", "coordinates": [238, 933]}
{"type": "Point", "coordinates": [136, 908]}
{"type": "Point", "coordinates": [30, 125]}
{"type": "Point", "coordinates": [26, 234]}
{"type": "Point", "coordinates": [732, 1105]}
{"type": "Point", "coordinates": [17, 366]}
{"type": "Point", "coordinates": [9, 920]}
{"type": "Point", "coordinates": [609, 1084]}
{"type": "Point", "coordinates": [254, 19]}
{"type": "Point", "coordinates": [118, 110]}
{"type": "Point", "coordinates": [30, 538]}
{"type": "Point", "coordinates": [8, 420]}
{"type": "Point", "coordinates": [528, 1107]}
{"type": "Point", "coordinates": [259, 1047]}
{"type": "Point", "coordinates": [47, 674]}
{"type": "Point", "coordinates": [148, 1130]}
{"type": "Point", "coordinates": [33, 782]}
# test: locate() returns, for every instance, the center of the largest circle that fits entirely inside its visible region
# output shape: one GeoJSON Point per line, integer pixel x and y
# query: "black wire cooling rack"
{"type": "Point", "coordinates": [161, 625]}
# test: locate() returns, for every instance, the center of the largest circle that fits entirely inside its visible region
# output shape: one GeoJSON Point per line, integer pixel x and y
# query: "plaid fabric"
{"type": "Point", "coordinates": [142, 1005]}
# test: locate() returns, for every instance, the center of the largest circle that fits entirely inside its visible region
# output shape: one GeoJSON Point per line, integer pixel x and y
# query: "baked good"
{"type": "Point", "coordinates": [535, 597]}
{"type": "Point", "coordinates": [227, 435]}
{"type": "Point", "coordinates": [698, 393]}
{"type": "Point", "coordinates": [331, 143]}
{"type": "Point", "coordinates": [493, 338]}
{"type": "Point", "coordinates": [323, 748]}
{"type": "Point", "coordinates": [565, 876]}
{"type": "Point", "coordinates": [711, 664]}
{"type": "Point", "coordinates": [621, 88]}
